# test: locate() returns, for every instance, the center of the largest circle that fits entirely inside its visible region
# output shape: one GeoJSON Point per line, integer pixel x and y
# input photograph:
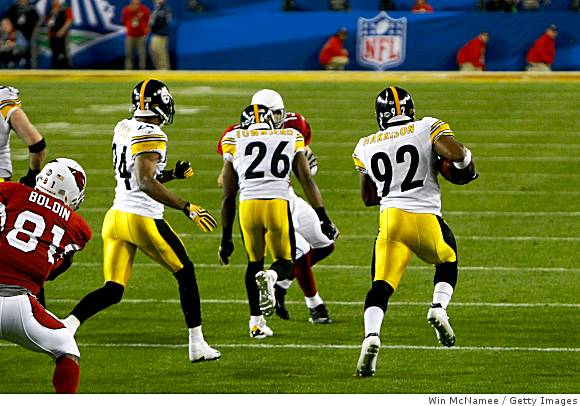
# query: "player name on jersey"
{"type": "Point", "coordinates": [253, 133]}
{"type": "Point", "coordinates": [52, 205]}
{"type": "Point", "coordinates": [389, 135]}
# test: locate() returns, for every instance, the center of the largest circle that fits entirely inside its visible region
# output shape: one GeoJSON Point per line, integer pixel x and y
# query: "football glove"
{"type": "Point", "coordinates": [326, 226]}
{"type": "Point", "coordinates": [200, 216]}
{"type": "Point", "coordinates": [225, 251]}
{"type": "Point", "coordinates": [312, 161]}
{"type": "Point", "coordinates": [183, 170]}
{"type": "Point", "coordinates": [30, 178]}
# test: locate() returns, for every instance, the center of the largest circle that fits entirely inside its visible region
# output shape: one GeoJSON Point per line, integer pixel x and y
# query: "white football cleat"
{"type": "Point", "coordinates": [265, 281]}
{"type": "Point", "coordinates": [260, 330]}
{"type": "Point", "coordinates": [367, 362]}
{"type": "Point", "coordinates": [437, 318]}
{"type": "Point", "coordinates": [201, 351]}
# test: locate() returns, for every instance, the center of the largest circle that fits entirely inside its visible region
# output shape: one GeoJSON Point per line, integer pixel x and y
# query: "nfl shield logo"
{"type": "Point", "coordinates": [381, 41]}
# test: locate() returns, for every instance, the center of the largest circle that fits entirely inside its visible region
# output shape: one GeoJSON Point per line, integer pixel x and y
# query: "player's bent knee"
{"type": "Point", "coordinates": [446, 272]}
{"type": "Point", "coordinates": [379, 295]}
{"type": "Point", "coordinates": [186, 275]}
{"type": "Point", "coordinates": [283, 268]}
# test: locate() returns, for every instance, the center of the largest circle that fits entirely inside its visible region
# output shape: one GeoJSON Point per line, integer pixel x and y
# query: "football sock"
{"type": "Point", "coordinates": [312, 302]}
{"type": "Point", "coordinates": [284, 284]}
{"type": "Point", "coordinates": [252, 287]}
{"type": "Point", "coordinates": [72, 323]}
{"type": "Point", "coordinates": [442, 294]}
{"type": "Point", "coordinates": [303, 270]}
{"type": "Point", "coordinates": [255, 320]}
{"type": "Point", "coordinates": [189, 295]}
{"type": "Point", "coordinates": [318, 254]}
{"type": "Point", "coordinates": [373, 320]}
{"type": "Point", "coordinates": [195, 335]}
{"type": "Point", "coordinates": [98, 300]}
{"type": "Point", "coordinates": [66, 375]}
{"type": "Point", "coordinates": [283, 268]}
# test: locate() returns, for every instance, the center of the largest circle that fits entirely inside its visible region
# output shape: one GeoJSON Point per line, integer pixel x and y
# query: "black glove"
{"type": "Point", "coordinates": [226, 248]}
{"type": "Point", "coordinates": [326, 226]}
{"type": "Point", "coordinates": [182, 170]}
{"type": "Point", "coordinates": [30, 178]}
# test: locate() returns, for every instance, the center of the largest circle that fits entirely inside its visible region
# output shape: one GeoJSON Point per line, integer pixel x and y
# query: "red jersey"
{"type": "Point", "coordinates": [472, 52]}
{"type": "Point", "coordinates": [36, 232]}
{"type": "Point", "coordinates": [136, 20]}
{"type": "Point", "coordinates": [543, 50]}
{"type": "Point", "coordinates": [333, 47]}
{"type": "Point", "coordinates": [292, 120]}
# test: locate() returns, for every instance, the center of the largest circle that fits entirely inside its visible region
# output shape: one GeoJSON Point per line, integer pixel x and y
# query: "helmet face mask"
{"type": "Point", "coordinates": [257, 116]}
{"type": "Point", "coordinates": [394, 106]}
{"type": "Point", "coordinates": [63, 179]}
{"type": "Point", "coordinates": [151, 98]}
{"type": "Point", "coordinates": [274, 102]}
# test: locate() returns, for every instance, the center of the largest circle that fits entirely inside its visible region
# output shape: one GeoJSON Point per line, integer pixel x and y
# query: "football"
{"type": "Point", "coordinates": [455, 175]}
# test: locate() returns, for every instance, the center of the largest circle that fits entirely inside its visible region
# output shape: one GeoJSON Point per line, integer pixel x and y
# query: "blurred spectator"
{"type": "Point", "coordinates": [195, 5]}
{"type": "Point", "coordinates": [533, 5]}
{"type": "Point", "coordinates": [59, 20]}
{"type": "Point", "coordinates": [135, 18]}
{"type": "Point", "coordinates": [26, 20]}
{"type": "Point", "coordinates": [334, 56]}
{"type": "Point", "coordinates": [502, 5]}
{"type": "Point", "coordinates": [12, 45]}
{"type": "Point", "coordinates": [339, 5]}
{"type": "Point", "coordinates": [575, 5]}
{"type": "Point", "coordinates": [386, 5]}
{"type": "Point", "coordinates": [160, 26]}
{"type": "Point", "coordinates": [288, 5]}
{"type": "Point", "coordinates": [471, 57]}
{"type": "Point", "coordinates": [541, 55]}
{"type": "Point", "coordinates": [421, 6]}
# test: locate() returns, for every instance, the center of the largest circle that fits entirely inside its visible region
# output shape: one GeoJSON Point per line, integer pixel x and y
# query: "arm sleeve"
{"type": "Point", "coordinates": [439, 129]}
{"type": "Point", "coordinates": [228, 146]}
{"type": "Point", "coordinates": [148, 142]}
{"type": "Point", "coordinates": [357, 158]}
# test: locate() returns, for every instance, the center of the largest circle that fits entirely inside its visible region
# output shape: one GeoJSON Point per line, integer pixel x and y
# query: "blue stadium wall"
{"type": "Point", "coordinates": [258, 35]}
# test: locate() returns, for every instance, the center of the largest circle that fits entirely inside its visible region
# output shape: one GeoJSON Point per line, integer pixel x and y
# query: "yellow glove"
{"type": "Point", "coordinates": [200, 216]}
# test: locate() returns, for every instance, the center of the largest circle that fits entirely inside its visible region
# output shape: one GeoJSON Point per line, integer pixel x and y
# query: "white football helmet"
{"type": "Point", "coordinates": [64, 179]}
{"type": "Point", "coordinates": [274, 102]}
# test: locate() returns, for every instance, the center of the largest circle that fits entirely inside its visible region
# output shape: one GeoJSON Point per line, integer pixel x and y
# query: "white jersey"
{"type": "Point", "coordinates": [401, 162]}
{"type": "Point", "coordinates": [132, 138]}
{"type": "Point", "coordinates": [263, 160]}
{"type": "Point", "coordinates": [9, 102]}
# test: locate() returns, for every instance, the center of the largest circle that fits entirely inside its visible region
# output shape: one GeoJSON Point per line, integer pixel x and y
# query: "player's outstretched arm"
{"type": "Point", "coordinates": [230, 190]}
{"type": "Point", "coordinates": [301, 169]}
{"type": "Point", "coordinates": [35, 142]}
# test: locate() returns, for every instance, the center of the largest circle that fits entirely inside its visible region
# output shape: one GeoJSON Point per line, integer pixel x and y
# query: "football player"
{"type": "Point", "coordinates": [13, 117]}
{"type": "Point", "coordinates": [398, 171]}
{"type": "Point", "coordinates": [311, 244]}
{"type": "Point", "coordinates": [39, 234]}
{"type": "Point", "coordinates": [136, 219]}
{"type": "Point", "coordinates": [258, 160]}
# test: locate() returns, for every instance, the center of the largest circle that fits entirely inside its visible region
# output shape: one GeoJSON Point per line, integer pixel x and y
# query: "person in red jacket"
{"type": "Point", "coordinates": [135, 18]}
{"type": "Point", "coordinates": [541, 55]}
{"type": "Point", "coordinates": [334, 56]}
{"type": "Point", "coordinates": [421, 6]}
{"type": "Point", "coordinates": [471, 57]}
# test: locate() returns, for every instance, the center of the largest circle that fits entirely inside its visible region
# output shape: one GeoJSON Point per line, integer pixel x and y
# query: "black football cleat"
{"type": "Point", "coordinates": [319, 315]}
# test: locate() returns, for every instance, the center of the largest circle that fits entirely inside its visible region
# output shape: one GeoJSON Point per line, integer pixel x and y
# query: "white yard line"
{"type": "Point", "coordinates": [326, 347]}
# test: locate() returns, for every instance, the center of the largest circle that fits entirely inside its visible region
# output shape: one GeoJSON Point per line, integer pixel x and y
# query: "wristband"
{"type": "Point", "coordinates": [186, 209]}
{"type": "Point", "coordinates": [38, 147]}
{"type": "Point", "coordinates": [321, 213]}
{"type": "Point", "coordinates": [465, 162]}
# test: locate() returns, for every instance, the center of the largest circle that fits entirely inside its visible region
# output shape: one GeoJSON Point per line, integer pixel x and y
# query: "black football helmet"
{"type": "Point", "coordinates": [151, 98]}
{"type": "Point", "coordinates": [257, 114]}
{"type": "Point", "coordinates": [393, 107]}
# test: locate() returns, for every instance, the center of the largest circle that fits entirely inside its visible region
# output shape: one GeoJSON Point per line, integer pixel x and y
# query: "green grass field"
{"type": "Point", "coordinates": [516, 309]}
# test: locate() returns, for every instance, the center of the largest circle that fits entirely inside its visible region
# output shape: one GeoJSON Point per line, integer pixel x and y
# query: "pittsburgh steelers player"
{"type": "Point", "coordinates": [258, 161]}
{"type": "Point", "coordinates": [136, 219]}
{"type": "Point", "coordinates": [398, 172]}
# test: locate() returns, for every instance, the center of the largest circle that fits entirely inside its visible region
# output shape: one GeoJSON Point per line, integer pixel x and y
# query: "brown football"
{"type": "Point", "coordinates": [453, 174]}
